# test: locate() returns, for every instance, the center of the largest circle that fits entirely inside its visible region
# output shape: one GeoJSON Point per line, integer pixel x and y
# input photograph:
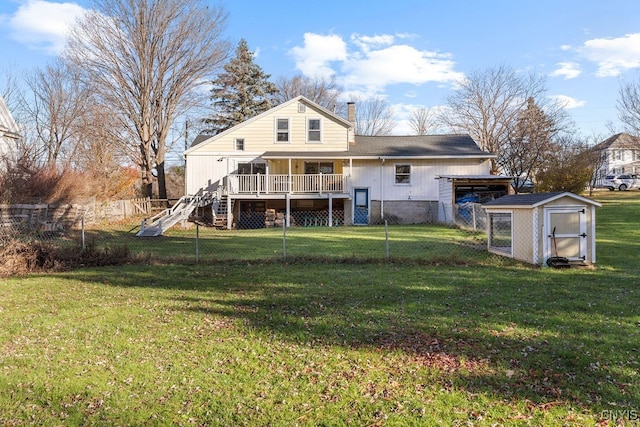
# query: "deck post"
{"type": "Point", "coordinates": [287, 202]}
{"type": "Point", "coordinates": [330, 210]}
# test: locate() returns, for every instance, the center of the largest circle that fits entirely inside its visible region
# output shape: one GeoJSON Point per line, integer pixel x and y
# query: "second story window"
{"type": "Point", "coordinates": [239, 145]}
{"type": "Point", "coordinates": [313, 130]}
{"type": "Point", "coordinates": [403, 174]}
{"type": "Point", "coordinates": [282, 130]}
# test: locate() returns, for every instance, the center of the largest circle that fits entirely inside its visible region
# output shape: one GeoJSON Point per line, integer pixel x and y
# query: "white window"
{"type": "Point", "coordinates": [239, 144]}
{"type": "Point", "coordinates": [403, 174]}
{"type": "Point", "coordinates": [313, 130]}
{"type": "Point", "coordinates": [282, 130]}
{"type": "Point", "coordinates": [500, 236]}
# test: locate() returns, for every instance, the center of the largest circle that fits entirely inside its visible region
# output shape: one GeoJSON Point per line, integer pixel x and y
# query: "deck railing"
{"type": "Point", "coordinates": [283, 184]}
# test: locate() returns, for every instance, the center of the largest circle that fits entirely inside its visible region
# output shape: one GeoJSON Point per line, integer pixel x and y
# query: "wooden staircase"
{"type": "Point", "coordinates": [158, 224]}
{"type": "Point", "coordinates": [219, 210]}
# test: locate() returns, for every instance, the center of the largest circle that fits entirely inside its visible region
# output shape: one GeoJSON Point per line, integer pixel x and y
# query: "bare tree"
{"type": "Point", "coordinates": [628, 106]}
{"type": "Point", "coordinates": [58, 101]}
{"type": "Point", "coordinates": [145, 59]}
{"type": "Point", "coordinates": [598, 156]}
{"type": "Point", "coordinates": [422, 121]}
{"type": "Point", "coordinates": [324, 92]}
{"type": "Point", "coordinates": [487, 105]}
{"type": "Point", "coordinates": [374, 117]}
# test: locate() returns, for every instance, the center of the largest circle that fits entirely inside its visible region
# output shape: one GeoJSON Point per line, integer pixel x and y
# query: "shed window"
{"type": "Point", "coordinates": [500, 232]}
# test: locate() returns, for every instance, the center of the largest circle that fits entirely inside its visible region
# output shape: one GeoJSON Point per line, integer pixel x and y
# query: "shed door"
{"type": "Point", "coordinates": [570, 225]}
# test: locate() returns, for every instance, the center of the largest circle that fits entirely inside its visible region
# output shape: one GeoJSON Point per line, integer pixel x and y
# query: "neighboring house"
{"type": "Point", "coordinates": [302, 164]}
{"type": "Point", "coordinates": [621, 156]}
{"type": "Point", "coordinates": [9, 132]}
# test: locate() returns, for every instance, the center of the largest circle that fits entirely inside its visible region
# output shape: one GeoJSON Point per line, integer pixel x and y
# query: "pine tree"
{"type": "Point", "coordinates": [241, 92]}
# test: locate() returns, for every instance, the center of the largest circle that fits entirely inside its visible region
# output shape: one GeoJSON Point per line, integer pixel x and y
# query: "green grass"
{"type": "Point", "coordinates": [435, 243]}
{"type": "Point", "coordinates": [333, 343]}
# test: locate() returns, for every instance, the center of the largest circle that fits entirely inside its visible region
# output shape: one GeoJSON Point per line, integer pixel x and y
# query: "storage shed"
{"type": "Point", "coordinates": [535, 227]}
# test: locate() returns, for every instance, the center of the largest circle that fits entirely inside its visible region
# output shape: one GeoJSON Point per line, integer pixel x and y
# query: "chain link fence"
{"type": "Point", "coordinates": [262, 236]}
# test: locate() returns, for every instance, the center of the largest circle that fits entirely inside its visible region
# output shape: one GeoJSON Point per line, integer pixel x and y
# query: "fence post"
{"type": "Point", "coordinates": [386, 238]}
{"type": "Point", "coordinates": [84, 245]}
{"type": "Point", "coordinates": [197, 243]}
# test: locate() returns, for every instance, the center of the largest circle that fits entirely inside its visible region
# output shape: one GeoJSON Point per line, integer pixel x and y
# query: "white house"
{"type": "Point", "coordinates": [303, 163]}
{"type": "Point", "coordinates": [9, 131]}
{"type": "Point", "coordinates": [621, 155]}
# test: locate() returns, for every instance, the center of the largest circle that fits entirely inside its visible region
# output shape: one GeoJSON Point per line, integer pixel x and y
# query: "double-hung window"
{"type": "Point", "coordinates": [282, 130]}
{"type": "Point", "coordinates": [313, 130]}
{"type": "Point", "coordinates": [239, 144]}
{"type": "Point", "coordinates": [403, 174]}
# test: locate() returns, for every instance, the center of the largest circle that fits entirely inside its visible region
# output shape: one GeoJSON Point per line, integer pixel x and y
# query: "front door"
{"type": "Point", "coordinates": [566, 232]}
{"type": "Point", "coordinates": [361, 206]}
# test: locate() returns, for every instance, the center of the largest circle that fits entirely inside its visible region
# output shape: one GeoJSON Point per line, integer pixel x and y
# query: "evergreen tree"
{"type": "Point", "coordinates": [528, 146]}
{"type": "Point", "coordinates": [240, 92]}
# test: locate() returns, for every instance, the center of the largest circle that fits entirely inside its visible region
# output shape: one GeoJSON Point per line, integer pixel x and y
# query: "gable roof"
{"type": "Point", "coordinates": [534, 200]}
{"type": "Point", "coordinates": [200, 139]}
{"type": "Point", "coordinates": [620, 140]}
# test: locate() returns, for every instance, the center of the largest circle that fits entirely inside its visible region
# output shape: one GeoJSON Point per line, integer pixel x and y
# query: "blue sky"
{"type": "Point", "coordinates": [409, 51]}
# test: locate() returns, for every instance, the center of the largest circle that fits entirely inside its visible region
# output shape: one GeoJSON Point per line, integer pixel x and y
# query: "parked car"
{"type": "Point", "coordinates": [523, 185]}
{"type": "Point", "coordinates": [621, 182]}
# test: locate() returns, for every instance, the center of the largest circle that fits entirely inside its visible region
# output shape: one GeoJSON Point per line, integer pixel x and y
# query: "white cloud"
{"type": "Point", "coordinates": [613, 55]}
{"type": "Point", "coordinates": [314, 58]}
{"type": "Point", "coordinates": [370, 63]}
{"type": "Point", "coordinates": [569, 70]}
{"type": "Point", "coordinates": [568, 102]}
{"type": "Point", "coordinates": [43, 25]}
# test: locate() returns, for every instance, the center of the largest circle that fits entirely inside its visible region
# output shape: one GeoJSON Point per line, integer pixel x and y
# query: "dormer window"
{"type": "Point", "coordinates": [313, 130]}
{"type": "Point", "coordinates": [282, 130]}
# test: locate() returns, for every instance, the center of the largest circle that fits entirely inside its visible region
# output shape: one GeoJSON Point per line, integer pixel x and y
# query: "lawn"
{"type": "Point", "coordinates": [330, 343]}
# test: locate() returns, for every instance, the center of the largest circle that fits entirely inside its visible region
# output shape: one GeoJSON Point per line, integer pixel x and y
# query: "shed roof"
{"type": "Point", "coordinates": [533, 200]}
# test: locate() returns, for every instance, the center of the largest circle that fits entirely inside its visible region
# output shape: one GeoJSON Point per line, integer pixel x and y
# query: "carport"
{"type": "Point", "coordinates": [479, 188]}
{"type": "Point", "coordinates": [535, 227]}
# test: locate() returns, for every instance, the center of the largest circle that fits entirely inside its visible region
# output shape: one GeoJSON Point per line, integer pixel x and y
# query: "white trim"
{"type": "Point", "coordinates": [536, 236]}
